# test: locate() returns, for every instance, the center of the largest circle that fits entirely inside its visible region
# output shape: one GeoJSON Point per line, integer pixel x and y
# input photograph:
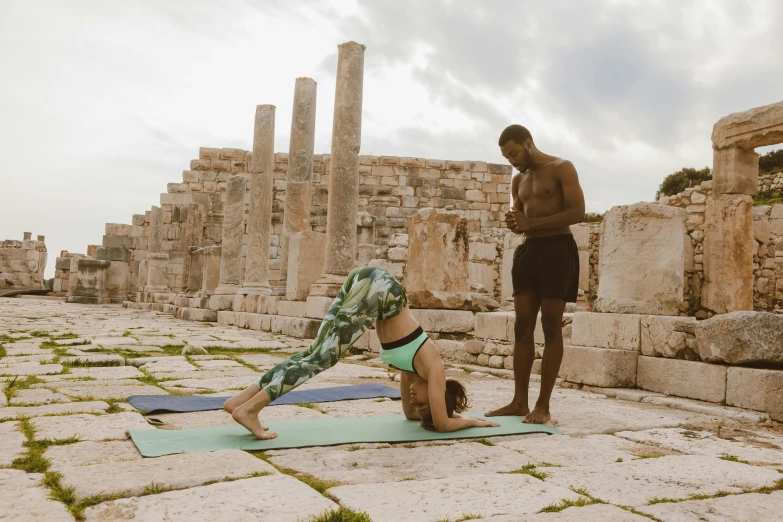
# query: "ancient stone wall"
{"type": "Point", "coordinates": [391, 190]}
{"type": "Point", "coordinates": [22, 263]}
{"type": "Point", "coordinates": [62, 271]}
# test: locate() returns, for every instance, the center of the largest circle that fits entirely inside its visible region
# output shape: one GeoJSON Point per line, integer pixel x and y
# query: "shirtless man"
{"type": "Point", "coordinates": [547, 199]}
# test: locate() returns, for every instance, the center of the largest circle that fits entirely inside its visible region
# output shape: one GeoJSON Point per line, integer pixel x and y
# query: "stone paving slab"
{"type": "Point", "coordinates": [214, 384]}
{"type": "Point", "coordinates": [111, 391]}
{"type": "Point", "coordinates": [109, 359]}
{"type": "Point", "coordinates": [11, 442]}
{"type": "Point", "coordinates": [96, 383]}
{"type": "Point", "coordinates": [704, 443]}
{"type": "Point", "coordinates": [220, 364]}
{"type": "Point", "coordinates": [15, 360]}
{"type": "Point", "coordinates": [110, 372]}
{"type": "Point", "coordinates": [241, 371]}
{"type": "Point", "coordinates": [752, 507]}
{"type": "Point", "coordinates": [114, 341]}
{"type": "Point", "coordinates": [174, 471]}
{"type": "Point", "coordinates": [593, 513]}
{"type": "Point", "coordinates": [90, 453]}
{"type": "Point", "coordinates": [89, 427]}
{"type": "Point", "coordinates": [276, 498]}
{"type": "Point", "coordinates": [707, 408]}
{"type": "Point", "coordinates": [18, 349]}
{"type": "Point", "coordinates": [24, 499]}
{"type": "Point", "coordinates": [53, 409]}
{"type": "Point", "coordinates": [362, 408]}
{"type": "Point", "coordinates": [451, 498]}
{"type": "Point", "coordinates": [31, 369]}
{"type": "Point", "coordinates": [592, 450]}
{"type": "Point", "coordinates": [37, 397]}
{"type": "Point", "coordinates": [634, 483]}
{"type": "Point", "coordinates": [371, 466]}
{"type": "Point", "coordinates": [262, 360]}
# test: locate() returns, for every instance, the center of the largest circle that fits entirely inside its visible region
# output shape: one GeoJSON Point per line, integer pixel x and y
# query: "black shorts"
{"type": "Point", "coordinates": [547, 266]}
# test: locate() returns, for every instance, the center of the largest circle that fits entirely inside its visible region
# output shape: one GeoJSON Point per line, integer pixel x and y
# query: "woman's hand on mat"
{"type": "Point", "coordinates": [484, 423]}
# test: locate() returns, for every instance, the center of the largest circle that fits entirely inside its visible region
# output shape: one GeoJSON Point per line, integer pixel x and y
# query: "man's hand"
{"type": "Point", "coordinates": [517, 222]}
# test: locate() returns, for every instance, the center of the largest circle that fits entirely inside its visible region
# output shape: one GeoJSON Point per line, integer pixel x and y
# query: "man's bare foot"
{"type": "Point", "coordinates": [251, 422]}
{"type": "Point", "coordinates": [509, 409]}
{"type": "Point", "coordinates": [537, 416]}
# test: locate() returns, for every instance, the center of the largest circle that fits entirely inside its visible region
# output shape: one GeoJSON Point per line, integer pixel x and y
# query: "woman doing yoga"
{"type": "Point", "coordinates": [369, 295]}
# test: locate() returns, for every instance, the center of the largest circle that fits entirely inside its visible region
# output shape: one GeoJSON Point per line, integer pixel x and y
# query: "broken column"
{"type": "Point", "coordinates": [643, 253]}
{"type": "Point", "coordinates": [343, 200]}
{"type": "Point", "coordinates": [259, 226]}
{"type": "Point", "coordinates": [298, 194]}
{"type": "Point", "coordinates": [305, 263]}
{"type": "Point", "coordinates": [154, 246]}
{"type": "Point", "coordinates": [91, 285]}
{"type": "Point", "coordinates": [233, 229]}
{"type": "Point", "coordinates": [192, 238]}
{"type": "Point", "coordinates": [728, 239]}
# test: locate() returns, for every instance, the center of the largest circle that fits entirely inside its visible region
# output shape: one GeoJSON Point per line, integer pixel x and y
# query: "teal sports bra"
{"type": "Point", "coordinates": [399, 354]}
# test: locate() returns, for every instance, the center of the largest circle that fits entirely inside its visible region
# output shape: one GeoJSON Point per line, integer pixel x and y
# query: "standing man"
{"type": "Point", "coordinates": [547, 199]}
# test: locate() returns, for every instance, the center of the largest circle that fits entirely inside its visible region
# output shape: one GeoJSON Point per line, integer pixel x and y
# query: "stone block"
{"type": "Point", "coordinates": [446, 321]}
{"type": "Point", "coordinates": [741, 338]}
{"type": "Point", "coordinates": [25, 498]}
{"type": "Point", "coordinates": [438, 252]}
{"type": "Point", "coordinates": [617, 331]}
{"type": "Point", "coordinates": [395, 269]}
{"type": "Point", "coordinates": [660, 336]}
{"type": "Point", "coordinates": [756, 389]}
{"type": "Point", "coordinates": [735, 171]}
{"type": "Point", "coordinates": [747, 130]}
{"type": "Point", "coordinates": [221, 302]}
{"type": "Point", "coordinates": [728, 254]}
{"type": "Point", "coordinates": [746, 507]}
{"type": "Point", "coordinates": [483, 251]}
{"type": "Point", "coordinates": [306, 261]}
{"type": "Point", "coordinates": [317, 306]}
{"type": "Point", "coordinates": [642, 261]}
{"type": "Point", "coordinates": [197, 314]}
{"type": "Point", "coordinates": [452, 301]}
{"type": "Point", "coordinates": [484, 275]}
{"type": "Point", "coordinates": [62, 263]}
{"type": "Point", "coordinates": [599, 367]}
{"type": "Point", "coordinates": [691, 379]}
{"type": "Point", "coordinates": [292, 308]}
{"type": "Point", "coordinates": [494, 326]}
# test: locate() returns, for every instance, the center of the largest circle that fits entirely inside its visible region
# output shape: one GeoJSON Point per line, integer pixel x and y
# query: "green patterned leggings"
{"type": "Point", "coordinates": [368, 294]}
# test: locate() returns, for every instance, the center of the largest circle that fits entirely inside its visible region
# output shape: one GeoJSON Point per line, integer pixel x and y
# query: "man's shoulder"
{"type": "Point", "coordinates": [561, 165]}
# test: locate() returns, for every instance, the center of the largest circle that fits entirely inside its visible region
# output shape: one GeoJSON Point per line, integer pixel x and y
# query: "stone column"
{"type": "Point", "coordinates": [233, 230]}
{"type": "Point", "coordinates": [211, 276]}
{"type": "Point", "coordinates": [155, 244]}
{"type": "Point", "coordinates": [298, 194]}
{"type": "Point", "coordinates": [193, 236]}
{"type": "Point", "coordinates": [259, 225]}
{"type": "Point", "coordinates": [343, 200]}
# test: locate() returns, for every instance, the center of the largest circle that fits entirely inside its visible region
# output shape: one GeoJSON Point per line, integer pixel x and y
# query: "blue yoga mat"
{"type": "Point", "coordinates": [323, 431]}
{"type": "Point", "coordinates": [180, 404]}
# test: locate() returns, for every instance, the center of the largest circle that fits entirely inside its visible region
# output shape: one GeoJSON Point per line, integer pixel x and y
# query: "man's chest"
{"type": "Point", "coordinates": [538, 186]}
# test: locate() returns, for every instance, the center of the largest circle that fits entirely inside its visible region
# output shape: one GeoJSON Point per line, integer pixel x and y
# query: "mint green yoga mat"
{"type": "Point", "coordinates": [326, 431]}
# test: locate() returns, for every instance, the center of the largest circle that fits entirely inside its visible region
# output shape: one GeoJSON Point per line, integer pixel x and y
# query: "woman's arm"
{"type": "Point", "coordinates": [405, 393]}
{"type": "Point", "coordinates": [436, 389]}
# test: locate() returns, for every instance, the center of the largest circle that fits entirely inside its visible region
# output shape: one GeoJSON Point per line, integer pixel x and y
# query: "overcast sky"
{"type": "Point", "coordinates": [104, 102]}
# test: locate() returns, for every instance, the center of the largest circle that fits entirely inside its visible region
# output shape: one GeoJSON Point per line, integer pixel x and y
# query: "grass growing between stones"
{"type": "Point", "coordinates": [342, 515]}
{"type": "Point", "coordinates": [17, 384]}
{"type": "Point", "coordinates": [312, 406]}
{"type": "Point", "coordinates": [530, 469]}
{"type": "Point", "coordinates": [650, 456]}
{"type": "Point", "coordinates": [732, 458]}
{"type": "Point", "coordinates": [485, 442]}
{"type": "Point", "coordinates": [585, 500]}
{"type": "Point", "coordinates": [33, 460]}
{"type": "Point", "coordinates": [766, 490]}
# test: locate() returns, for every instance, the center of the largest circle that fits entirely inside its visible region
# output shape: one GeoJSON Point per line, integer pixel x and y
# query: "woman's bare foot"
{"type": "Point", "coordinates": [539, 415]}
{"type": "Point", "coordinates": [251, 423]}
{"type": "Point", "coordinates": [509, 409]}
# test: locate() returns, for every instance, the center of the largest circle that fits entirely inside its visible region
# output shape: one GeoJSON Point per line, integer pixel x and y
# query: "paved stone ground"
{"type": "Point", "coordinates": [66, 372]}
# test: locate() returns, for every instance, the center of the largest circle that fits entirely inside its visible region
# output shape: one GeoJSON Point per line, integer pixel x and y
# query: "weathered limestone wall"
{"type": "Point", "coordinates": [22, 263]}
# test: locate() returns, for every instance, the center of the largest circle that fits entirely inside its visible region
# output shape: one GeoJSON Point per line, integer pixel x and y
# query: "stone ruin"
{"type": "Point", "coordinates": [22, 263]}
{"type": "Point", "coordinates": [679, 295]}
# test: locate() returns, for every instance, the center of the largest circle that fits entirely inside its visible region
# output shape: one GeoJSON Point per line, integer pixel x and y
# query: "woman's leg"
{"type": "Point", "coordinates": [368, 294]}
